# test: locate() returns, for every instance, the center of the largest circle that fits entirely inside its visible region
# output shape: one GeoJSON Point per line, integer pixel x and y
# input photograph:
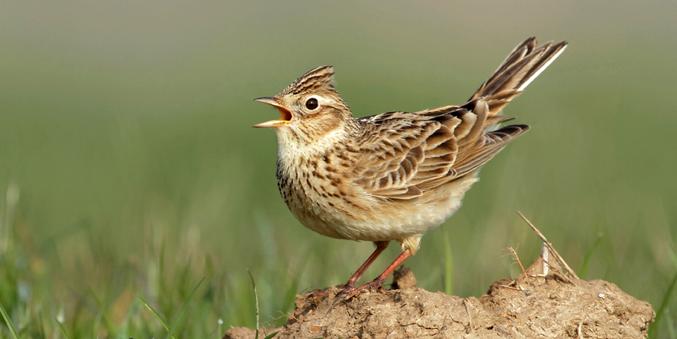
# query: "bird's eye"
{"type": "Point", "coordinates": [311, 104]}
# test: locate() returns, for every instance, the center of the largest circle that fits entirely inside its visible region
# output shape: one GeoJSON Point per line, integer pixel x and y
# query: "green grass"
{"type": "Point", "coordinates": [256, 303]}
{"type": "Point", "coordinates": [8, 322]}
{"type": "Point", "coordinates": [664, 313]}
{"type": "Point", "coordinates": [448, 264]}
{"type": "Point", "coordinates": [589, 255]}
{"type": "Point", "coordinates": [135, 197]}
{"type": "Point", "coordinates": [157, 315]}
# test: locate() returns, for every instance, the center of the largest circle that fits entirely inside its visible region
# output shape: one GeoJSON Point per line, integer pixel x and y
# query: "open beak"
{"type": "Point", "coordinates": [285, 115]}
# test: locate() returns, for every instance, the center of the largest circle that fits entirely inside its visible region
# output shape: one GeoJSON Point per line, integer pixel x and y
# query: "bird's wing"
{"type": "Point", "coordinates": [404, 155]}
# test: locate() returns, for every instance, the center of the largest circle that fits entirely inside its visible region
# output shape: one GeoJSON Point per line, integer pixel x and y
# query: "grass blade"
{"type": "Point", "coordinates": [290, 294]}
{"type": "Point", "coordinates": [653, 330]}
{"type": "Point", "coordinates": [59, 321]}
{"type": "Point", "coordinates": [671, 328]}
{"type": "Point", "coordinates": [448, 266]}
{"type": "Point", "coordinates": [182, 310]}
{"type": "Point", "coordinates": [8, 321]}
{"type": "Point", "coordinates": [256, 300]}
{"type": "Point", "coordinates": [62, 329]}
{"type": "Point", "coordinates": [588, 255]}
{"type": "Point", "coordinates": [156, 314]}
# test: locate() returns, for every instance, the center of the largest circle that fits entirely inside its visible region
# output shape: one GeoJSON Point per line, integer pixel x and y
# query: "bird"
{"type": "Point", "coordinates": [395, 175]}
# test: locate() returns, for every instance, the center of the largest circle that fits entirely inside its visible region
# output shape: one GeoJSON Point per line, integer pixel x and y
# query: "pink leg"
{"type": "Point", "coordinates": [378, 282]}
{"type": "Point", "coordinates": [380, 246]}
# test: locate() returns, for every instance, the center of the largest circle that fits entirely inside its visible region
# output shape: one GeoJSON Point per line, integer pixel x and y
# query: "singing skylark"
{"type": "Point", "coordinates": [395, 175]}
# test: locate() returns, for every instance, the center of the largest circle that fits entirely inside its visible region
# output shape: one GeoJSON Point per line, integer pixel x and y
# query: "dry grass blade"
{"type": "Point", "coordinates": [550, 247]}
{"type": "Point", "coordinates": [517, 259]}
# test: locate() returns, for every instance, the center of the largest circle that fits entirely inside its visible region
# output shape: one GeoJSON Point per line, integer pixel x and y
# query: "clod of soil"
{"type": "Point", "coordinates": [532, 306]}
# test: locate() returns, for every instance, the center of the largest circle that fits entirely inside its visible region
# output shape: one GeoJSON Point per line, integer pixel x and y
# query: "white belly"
{"type": "Point", "coordinates": [391, 220]}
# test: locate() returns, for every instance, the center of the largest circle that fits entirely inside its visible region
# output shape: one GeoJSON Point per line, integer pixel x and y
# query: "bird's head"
{"type": "Point", "coordinates": [310, 109]}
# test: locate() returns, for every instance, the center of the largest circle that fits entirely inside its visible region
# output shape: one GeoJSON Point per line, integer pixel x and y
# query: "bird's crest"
{"type": "Point", "coordinates": [317, 79]}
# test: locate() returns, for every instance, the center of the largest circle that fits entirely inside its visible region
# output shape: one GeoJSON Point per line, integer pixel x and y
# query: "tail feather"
{"type": "Point", "coordinates": [524, 64]}
{"type": "Point", "coordinates": [476, 138]}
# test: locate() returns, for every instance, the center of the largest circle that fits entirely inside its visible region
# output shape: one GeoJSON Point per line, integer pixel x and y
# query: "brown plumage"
{"type": "Point", "coordinates": [394, 175]}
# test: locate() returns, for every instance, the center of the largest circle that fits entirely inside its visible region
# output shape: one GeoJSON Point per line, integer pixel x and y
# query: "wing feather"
{"type": "Point", "coordinates": [411, 153]}
{"type": "Point", "coordinates": [404, 155]}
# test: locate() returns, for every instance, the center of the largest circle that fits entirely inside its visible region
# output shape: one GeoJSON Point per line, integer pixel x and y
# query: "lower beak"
{"type": "Point", "coordinates": [285, 115]}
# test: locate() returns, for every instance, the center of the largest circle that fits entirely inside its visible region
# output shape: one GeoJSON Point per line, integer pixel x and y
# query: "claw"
{"type": "Point", "coordinates": [349, 292]}
{"type": "Point", "coordinates": [316, 294]}
{"type": "Point", "coordinates": [374, 285]}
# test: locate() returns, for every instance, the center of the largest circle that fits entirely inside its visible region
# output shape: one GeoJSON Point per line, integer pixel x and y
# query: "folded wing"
{"type": "Point", "coordinates": [405, 155]}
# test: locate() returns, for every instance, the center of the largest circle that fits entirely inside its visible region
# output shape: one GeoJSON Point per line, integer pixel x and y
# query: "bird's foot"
{"type": "Point", "coordinates": [344, 291]}
{"type": "Point", "coordinates": [318, 294]}
{"type": "Point", "coordinates": [374, 285]}
{"type": "Point", "coordinates": [348, 292]}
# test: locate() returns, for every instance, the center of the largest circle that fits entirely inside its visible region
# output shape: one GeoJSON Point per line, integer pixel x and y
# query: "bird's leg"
{"type": "Point", "coordinates": [380, 246]}
{"type": "Point", "coordinates": [350, 292]}
{"type": "Point", "coordinates": [378, 282]}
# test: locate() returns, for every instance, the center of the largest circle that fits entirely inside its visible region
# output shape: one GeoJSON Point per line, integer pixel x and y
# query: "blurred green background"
{"type": "Point", "coordinates": [136, 196]}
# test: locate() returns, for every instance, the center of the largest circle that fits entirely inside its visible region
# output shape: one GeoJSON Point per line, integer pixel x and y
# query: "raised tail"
{"type": "Point", "coordinates": [518, 70]}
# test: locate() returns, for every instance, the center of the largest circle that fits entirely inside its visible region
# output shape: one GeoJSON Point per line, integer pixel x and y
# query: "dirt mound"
{"type": "Point", "coordinates": [547, 301]}
{"type": "Point", "coordinates": [532, 306]}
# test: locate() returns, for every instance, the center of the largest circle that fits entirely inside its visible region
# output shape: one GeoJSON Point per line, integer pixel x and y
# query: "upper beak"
{"type": "Point", "coordinates": [285, 115]}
